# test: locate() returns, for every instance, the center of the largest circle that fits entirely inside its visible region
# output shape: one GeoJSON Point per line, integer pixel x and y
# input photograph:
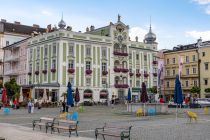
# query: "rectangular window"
{"type": "Point", "coordinates": [194, 70]}
{"type": "Point", "coordinates": [168, 72]}
{"type": "Point", "coordinates": [138, 83]}
{"type": "Point", "coordinates": [53, 64]}
{"type": "Point", "coordinates": [205, 81]}
{"type": "Point", "coordinates": [30, 67]}
{"type": "Point", "coordinates": [137, 71]}
{"type": "Point", "coordinates": [103, 52]}
{"type": "Point", "coordinates": [88, 51]}
{"type": "Point", "coordinates": [88, 81]}
{"type": "Point", "coordinates": [145, 57]}
{"type": "Point", "coordinates": [88, 65]}
{"type": "Point", "coordinates": [103, 67]}
{"type": "Point", "coordinates": [31, 54]}
{"type": "Point", "coordinates": [137, 56]}
{"type": "Point", "coordinates": [187, 59]}
{"type": "Point", "coordinates": [45, 51]}
{"type": "Point", "coordinates": [206, 66]}
{"type": "Point", "coordinates": [71, 49]}
{"type": "Point", "coordinates": [187, 71]}
{"type": "Point", "coordinates": [195, 83]}
{"type": "Point", "coordinates": [167, 84]}
{"type": "Point", "coordinates": [38, 53]}
{"type": "Point", "coordinates": [203, 53]}
{"type": "Point", "coordinates": [130, 56]}
{"type": "Point", "coordinates": [174, 72]}
{"type": "Point", "coordinates": [71, 64]}
{"type": "Point", "coordinates": [54, 49]}
{"type": "Point", "coordinates": [103, 82]}
{"type": "Point", "coordinates": [167, 61]}
{"type": "Point", "coordinates": [186, 83]}
{"type": "Point", "coordinates": [37, 66]}
{"type": "Point", "coordinates": [174, 60]}
{"type": "Point", "coordinates": [193, 58]}
{"type": "Point", "coordinates": [45, 65]}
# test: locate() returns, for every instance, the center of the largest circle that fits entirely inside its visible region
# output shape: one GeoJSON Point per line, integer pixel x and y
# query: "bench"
{"type": "Point", "coordinates": [114, 131]}
{"type": "Point", "coordinates": [192, 115]}
{"type": "Point", "coordinates": [43, 121]}
{"type": "Point", "coordinates": [65, 125]}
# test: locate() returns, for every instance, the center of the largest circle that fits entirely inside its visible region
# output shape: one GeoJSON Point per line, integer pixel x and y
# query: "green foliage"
{"type": "Point", "coordinates": [12, 88]}
{"type": "Point", "coordinates": [153, 89]}
{"type": "Point", "coordinates": [195, 89]}
{"type": "Point", "coordinates": [207, 90]}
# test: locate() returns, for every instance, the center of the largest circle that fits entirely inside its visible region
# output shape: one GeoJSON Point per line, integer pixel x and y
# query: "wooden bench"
{"type": "Point", "coordinates": [43, 121]}
{"type": "Point", "coordinates": [114, 131]}
{"type": "Point", "coordinates": [192, 115]}
{"type": "Point", "coordinates": [65, 125]}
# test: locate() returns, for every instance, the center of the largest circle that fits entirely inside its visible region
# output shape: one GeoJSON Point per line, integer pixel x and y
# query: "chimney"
{"type": "Point", "coordinates": [3, 20]}
{"type": "Point", "coordinates": [17, 22]}
{"type": "Point", "coordinates": [36, 25]}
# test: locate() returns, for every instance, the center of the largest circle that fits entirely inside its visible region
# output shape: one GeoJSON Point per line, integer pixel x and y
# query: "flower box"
{"type": "Point", "coordinates": [116, 53]}
{"type": "Point", "coordinates": [121, 85]}
{"type": "Point", "coordinates": [104, 72]}
{"type": "Point", "coordinates": [146, 75]}
{"type": "Point", "coordinates": [53, 70]}
{"type": "Point", "coordinates": [117, 69]}
{"type": "Point", "coordinates": [71, 70]}
{"type": "Point", "coordinates": [155, 74]}
{"type": "Point", "coordinates": [124, 54]}
{"type": "Point", "coordinates": [154, 62]}
{"type": "Point", "coordinates": [37, 72]}
{"type": "Point", "coordinates": [88, 72]}
{"type": "Point", "coordinates": [44, 71]}
{"type": "Point", "coordinates": [138, 74]}
{"type": "Point", "coordinates": [124, 70]}
{"type": "Point", "coordinates": [131, 74]}
{"type": "Point", "coordinates": [29, 73]}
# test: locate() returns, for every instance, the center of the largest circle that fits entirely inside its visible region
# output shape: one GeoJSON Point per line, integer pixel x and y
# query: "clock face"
{"type": "Point", "coordinates": [120, 38]}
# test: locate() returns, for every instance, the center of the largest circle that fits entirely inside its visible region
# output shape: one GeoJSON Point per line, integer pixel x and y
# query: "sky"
{"type": "Point", "coordinates": [174, 22]}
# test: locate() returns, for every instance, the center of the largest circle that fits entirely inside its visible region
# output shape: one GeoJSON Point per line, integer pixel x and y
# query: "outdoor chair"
{"type": "Point", "coordinates": [139, 112]}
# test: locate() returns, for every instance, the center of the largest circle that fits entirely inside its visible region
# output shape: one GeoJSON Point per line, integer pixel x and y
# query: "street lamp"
{"type": "Point", "coordinates": [199, 44]}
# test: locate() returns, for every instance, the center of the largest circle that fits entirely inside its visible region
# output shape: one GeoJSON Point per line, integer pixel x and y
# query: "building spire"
{"type": "Point", "coordinates": [62, 23]}
{"type": "Point", "coordinates": [119, 17]}
{"type": "Point", "coordinates": [150, 26]}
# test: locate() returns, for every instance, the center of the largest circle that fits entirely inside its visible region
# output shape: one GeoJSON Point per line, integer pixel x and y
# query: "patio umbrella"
{"type": "Point", "coordinates": [77, 98]}
{"type": "Point", "coordinates": [129, 95]}
{"type": "Point", "coordinates": [178, 99]}
{"type": "Point", "coordinates": [144, 96]}
{"type": "Point", "coordinates": [69, 95]}
{"type": "Point", "coordinates": [4, 96]}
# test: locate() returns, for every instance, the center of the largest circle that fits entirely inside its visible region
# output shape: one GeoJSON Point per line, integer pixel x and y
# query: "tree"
{"type": "Point", "coordinates": [195, 89]}
{"type": "Point", "coordinates": [207, 90]}
{"type": "Point", "coordinates": [153, 89]}
{"type": "Point", "coordinates": [12, 88]}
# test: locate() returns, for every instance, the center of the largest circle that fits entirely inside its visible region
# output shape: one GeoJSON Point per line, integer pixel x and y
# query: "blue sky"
{"type": "Point", "coordinates": [174, 21]}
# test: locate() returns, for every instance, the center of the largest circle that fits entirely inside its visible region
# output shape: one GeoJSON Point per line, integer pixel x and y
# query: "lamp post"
{"type": "Point", "coordinates": [199, 44]}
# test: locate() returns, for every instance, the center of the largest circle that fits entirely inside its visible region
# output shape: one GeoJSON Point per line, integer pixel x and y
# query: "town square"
{"type": "Point", "coordinates": [111, 70]}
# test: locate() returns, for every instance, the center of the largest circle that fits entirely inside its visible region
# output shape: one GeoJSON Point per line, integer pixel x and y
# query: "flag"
{"type": "Point", "coordinates": [180, 66]}
{"type": "Point", "coordinates": [160, 70]}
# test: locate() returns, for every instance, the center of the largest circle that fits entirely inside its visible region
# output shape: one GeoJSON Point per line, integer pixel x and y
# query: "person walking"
{"type": "Point", "coordinates": [64, 106]}
{"type": "Point", "coordinates": [29, 106]}
{"type": "Point", "coordinates": [15, 104]}
{"type": "Point", "coordinates": [112, 102]}
{"type": "Point", "coordinates": [32, 107]}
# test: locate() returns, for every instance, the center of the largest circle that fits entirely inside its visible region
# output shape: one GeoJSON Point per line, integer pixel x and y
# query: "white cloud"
{"type": "Point", "coordinates": [205, 35]}
{"type": "Point", "coordinates": [202, 2]}
{"type": "Point", "coordinates": [137, 31]}
{"type": "Point", "coordinates": [47, 13]}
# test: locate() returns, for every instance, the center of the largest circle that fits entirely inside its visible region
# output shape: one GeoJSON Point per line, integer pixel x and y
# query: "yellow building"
{"type": "Point", "coordinates": [204, 55]}
{"type": "Point", "coordinates": [189, 76]}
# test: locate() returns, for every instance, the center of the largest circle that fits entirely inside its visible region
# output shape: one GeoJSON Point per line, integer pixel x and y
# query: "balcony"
{"type": "Point", "coordinates": [121, 85]}
{"type": "Point", "coordinates": [11, 72]}
{"type": "Point", "coordinates": [123, 70]}
{"type": "Point", "coordinates": [120, 53]}
{"type": "Point", "coordinates": [13, 58]}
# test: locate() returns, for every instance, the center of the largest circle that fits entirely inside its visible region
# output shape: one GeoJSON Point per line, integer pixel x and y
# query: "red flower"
{"type": "Point", "coordinates": [131, 74]}
{"type": "Point", "coordinates": [138, 74]}
{"type": "Point", "coordinates": [53, 70]}
{"type": "Point", "coordinates": [154, 62]}
{"type": "Point", "coordinates": [44, 71]}
{"type": "Point", "coordinates": [37, 72]}
{"type": "Point", "coordinates": [104, 72]}
{"type": "Point", "coordinates": [146, 75]}
{"type": "Point", "coordinates": [88, 72]}
{"type": "Point", "coordinates": [70, 70]}
{"type": "Point", "coordinates": [117, 69]}
{"type": "Point", "coordinates": [124, 70]}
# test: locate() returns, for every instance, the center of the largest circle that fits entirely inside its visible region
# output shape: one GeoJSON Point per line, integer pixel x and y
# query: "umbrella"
{"type": "Point", "coordinates": [129, 95]}
{"type": "Point", "coordinates": [4, 96]}
{"type": "Point", "coordinates": [144, 96]}
{"type": "Point", "coordinates": [77, 98]}
{"type": "Point", "coordinates": [69, 95]}
{"type": "Point", "coordinates": [178, 99]}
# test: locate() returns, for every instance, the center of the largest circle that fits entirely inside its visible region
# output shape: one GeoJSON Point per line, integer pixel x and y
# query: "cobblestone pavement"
{"type": "Point", "coordinates": [160, 127]}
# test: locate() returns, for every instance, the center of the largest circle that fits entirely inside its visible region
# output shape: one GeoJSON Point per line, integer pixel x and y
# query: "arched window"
{"type": "Point", "coordinates": [124, 64]}
{"type": "Point", "coordinates": [116, 47]}
{"type": "Point", "coordinates": [124, 48]}
{"type": "Point", "coordinates": [125, 80]}
{"type": "Point", "coordinates": [116, 64]}
{"type": "Point", "coordinates": [117, 80]}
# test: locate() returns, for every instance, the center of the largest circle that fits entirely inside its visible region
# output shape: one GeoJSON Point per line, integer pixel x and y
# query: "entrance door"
{"type": "Point", "coordinates": [54, 96]}
{"type": "Point", "coordinates": [121, 95]}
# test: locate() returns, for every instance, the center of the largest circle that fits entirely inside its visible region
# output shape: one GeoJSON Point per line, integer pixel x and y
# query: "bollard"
{"type": "Point", "coordinates": [206, 110]}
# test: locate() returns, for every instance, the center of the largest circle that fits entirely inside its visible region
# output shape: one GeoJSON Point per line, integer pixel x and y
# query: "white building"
{"type": "Point", "coordinates": [101, 62]}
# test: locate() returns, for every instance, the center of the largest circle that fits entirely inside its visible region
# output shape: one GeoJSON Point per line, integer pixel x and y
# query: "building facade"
{"type": "Point", "coordinates": [101, 62]}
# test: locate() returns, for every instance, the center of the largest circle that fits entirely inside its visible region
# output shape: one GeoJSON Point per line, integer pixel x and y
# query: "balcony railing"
{"type": "Point", "coordinates": [121, 85]}
{"type": "Point", "coordinates": [120, 53]}
{"type": "Point", "coordinates": [11, 58]}
{"type": "Point", "coordinates": [123, 70]}
{"type": "Point", "coordinates": [11, 72]}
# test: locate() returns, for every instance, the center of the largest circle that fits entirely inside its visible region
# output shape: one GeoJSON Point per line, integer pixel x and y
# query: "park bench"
{"type": "Point", "coordinates": [192, 115]}
{"type": "Point", "coordinates": [43, 121]}
{"type": "Point", "coordinates": [114, 131]}
{"type": "Point", "coordinates": [69, 125]}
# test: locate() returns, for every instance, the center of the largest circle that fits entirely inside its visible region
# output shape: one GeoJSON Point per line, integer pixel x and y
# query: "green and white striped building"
{"type": "Point", "coordinates": [101, 62]}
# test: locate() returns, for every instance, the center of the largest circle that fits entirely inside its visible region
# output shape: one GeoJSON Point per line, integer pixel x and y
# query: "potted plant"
{"type": "Point", "coordinates": [37, 72]}
{"type": "Point", "coordinates": [104, 72]}
{"type": "Point", "coordinates": [88, 72]}
{"type": "Point", "coordinates": [131, 74]}
{"type": "Point", "coordinates": [138, 74]}
{"type": "Point", "coordinates": [53, 70]}
{"type": "Point", "coordinates": [71, 70]}
{"type": "Point", "coordinates": [29, 73]}
{"type": "Point", "coordinates": [44, 71]}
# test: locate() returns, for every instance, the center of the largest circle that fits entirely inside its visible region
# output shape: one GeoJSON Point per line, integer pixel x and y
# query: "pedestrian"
{"type": "Point", "coordinates": [60, 106]}
{"type": "Point", "coordinates": [39, 104]}
{"type": "Point", "coordinates": [29, 106]}
{"type": "Point", "coordinates": [161, 99]}
{"type": "Point", "coordinates": [112, 102]}
{"type": "Point", "coordinates": [32, 107]}
{"type": "Point", "coordinates": [15, 104]}
{"type": "Point", "coordinates": [64, 106]}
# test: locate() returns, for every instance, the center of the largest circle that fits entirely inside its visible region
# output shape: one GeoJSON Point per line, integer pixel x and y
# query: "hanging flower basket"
{"type": "Point", "coordinates": [146, 75]}
{"type": "Point", "coordinates": [88, 72]}
{"type": "Point", "coordinates": [154, 62]}
{"type": "Point", "coordinates": [124, 54]}
{"type": "Point", "coordinates": [29, 73]}
{"type": "Point", "coordinates": [71, 70]}
{"type": "Point", "coordinates": [104, 72]}
{"type": "Point", "coordinates": [155, 74]}
{"type": "Point", "coordinates": [124, 70]}
{"type": "Point", "coordinates": [131, 74]}
{"type": "Point", "coordinates": [44, 71]}
{"type": "Point", "coordinates": [117, 69]}
{"type": "Point", "coordinates": [37, 72]}
{"type": "Point", "coordinates": [138, 74]}
{"type": "Point", "coordinates": [53, 70]}
{"type": "Point", "coordinates": [116, 53]}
